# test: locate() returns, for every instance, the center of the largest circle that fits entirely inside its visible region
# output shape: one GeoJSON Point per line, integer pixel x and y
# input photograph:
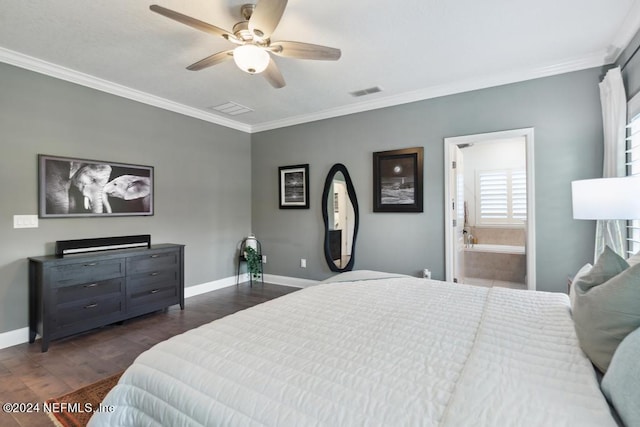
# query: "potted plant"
{"type": "Point", "coordinates": [254, 263]}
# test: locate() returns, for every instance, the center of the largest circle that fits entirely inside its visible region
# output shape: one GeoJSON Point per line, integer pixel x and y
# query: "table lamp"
{"type": "Point", "coordinates": [606, 198]}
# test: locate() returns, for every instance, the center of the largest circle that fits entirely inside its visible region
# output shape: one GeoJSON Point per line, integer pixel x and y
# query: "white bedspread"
{"type": "Point", "coordinates": [396, 352]}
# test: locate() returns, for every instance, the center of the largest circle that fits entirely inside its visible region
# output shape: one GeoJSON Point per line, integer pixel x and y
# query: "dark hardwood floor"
{"type": "Point", "coordinates": [29, 376]}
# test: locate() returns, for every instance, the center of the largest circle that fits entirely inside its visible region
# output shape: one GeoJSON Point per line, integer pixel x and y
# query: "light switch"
{"type": "Point", "coordinates": [303, 263]}
{"type": "Point", "coordinates": [25, 221]}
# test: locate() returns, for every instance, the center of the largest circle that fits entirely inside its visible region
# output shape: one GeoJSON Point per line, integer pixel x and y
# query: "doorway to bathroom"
{"type": "Point", "coordinates": [490, 215]}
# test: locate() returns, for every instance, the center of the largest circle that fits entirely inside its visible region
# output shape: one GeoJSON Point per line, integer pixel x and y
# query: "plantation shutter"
{"type": "Point", "coordinates": [519, 195]}
{"type": "Point", "coordinates": [494, 195]}
{"type": "Point", "coordinates": [502, 196]}
{"type": "Point", "coordinates": [633, 168]}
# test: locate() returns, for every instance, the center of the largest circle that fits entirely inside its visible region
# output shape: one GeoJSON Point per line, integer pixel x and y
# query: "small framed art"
{"type": "Point", "coordinates": [397, 180]}
{"type": "Point", "coordinates": [294, 186]}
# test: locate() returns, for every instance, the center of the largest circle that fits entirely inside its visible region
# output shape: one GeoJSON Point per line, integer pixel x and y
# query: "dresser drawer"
{"type": "Point", "coordinates": [85, 311]}
{"type": "Point", "coordinates": [156, 286]}
{"type": "Point", "coordinates": [95, 289]}
{"type": "Point", "coordinates": [152, 262]}
{"type": "Point", "coordinates": [160, 296]}
{"type": "Point", "coordinates": [87, 272]}
{"type": "Point", "coordinates": [145, 281]}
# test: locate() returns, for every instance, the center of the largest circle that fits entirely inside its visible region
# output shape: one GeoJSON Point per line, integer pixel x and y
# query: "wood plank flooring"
{"type": "Point", "coordinates": [29, 376]}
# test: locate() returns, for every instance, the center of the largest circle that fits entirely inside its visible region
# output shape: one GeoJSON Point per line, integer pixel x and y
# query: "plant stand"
{"type": "Point", "coordinates": [242, 258]}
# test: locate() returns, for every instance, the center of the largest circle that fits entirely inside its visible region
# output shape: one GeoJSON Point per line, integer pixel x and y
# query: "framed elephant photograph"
{"type": "Point", "coordinates": [70, 187]}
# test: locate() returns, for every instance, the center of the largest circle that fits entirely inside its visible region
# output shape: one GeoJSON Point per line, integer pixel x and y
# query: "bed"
{"type": "Point", "coordinates": [371, 349]}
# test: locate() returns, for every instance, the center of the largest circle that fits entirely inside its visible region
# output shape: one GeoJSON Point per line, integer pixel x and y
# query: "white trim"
{"type": "Point", "coordinates": [449, 143]}
{"type": "Point", "coordinates": [39, 66]}
{"type": "Point", "coordinates": [34, 64]}
{"type": "Point", "coordinates": [21, 336]}
{"type": "Point", "coordinates": [625, 33]}
{"type": "Point", "coordinates": [15, 337]}
{"type": "Point", "coordinates": [582, 63]}
{"type": "Point", "coordinates": [289, 281]}
{"type": "Point", "coordinates": [203, 288]}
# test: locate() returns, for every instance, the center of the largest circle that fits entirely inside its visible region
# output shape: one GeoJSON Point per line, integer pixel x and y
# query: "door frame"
{"type": "Point", "coordinates": [530, 243]}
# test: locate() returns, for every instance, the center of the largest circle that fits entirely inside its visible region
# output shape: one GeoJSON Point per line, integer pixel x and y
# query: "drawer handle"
{"type": "Point", "coordinates": [155, 273]}
{"type": "Point", "coordinates": [155, 291]}
{"type": "Point", "coordinates": [94, 305]}
{"type": "Point", "coordinates": [91, 264]}
{"type": "Point", "coordinates": [93, 285]}
{"type": "Point", "coordinates": [155, 256]}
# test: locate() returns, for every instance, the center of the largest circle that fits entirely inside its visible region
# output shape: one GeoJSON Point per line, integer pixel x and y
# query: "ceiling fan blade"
{"type": "Point", "coordinates": [273, 75]}
{"type": "Point", "coordinates": [305, 51]}
{"type": "Point", "coordinates": [209, 61]}
{"type": "Point", "coordinates": [192, 22]}
{"type": "Point", "coordinates": [266, 16]}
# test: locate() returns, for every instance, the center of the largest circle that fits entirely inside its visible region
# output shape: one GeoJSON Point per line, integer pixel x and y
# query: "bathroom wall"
{"type": "Point", "coordinates": [512, 236]}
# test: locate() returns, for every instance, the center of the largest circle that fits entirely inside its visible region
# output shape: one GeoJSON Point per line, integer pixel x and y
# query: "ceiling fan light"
{"type": "Point", "coordinates": [251, 59]}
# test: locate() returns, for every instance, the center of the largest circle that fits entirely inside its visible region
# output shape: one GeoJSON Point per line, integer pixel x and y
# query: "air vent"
{"type": "Point", "coordinates": [231, 108]}
{"type": "Point", "coordinates": [368, 91]}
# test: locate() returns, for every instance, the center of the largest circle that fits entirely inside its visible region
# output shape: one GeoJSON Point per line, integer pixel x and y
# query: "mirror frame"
{"type": "Point", "coordinates": [339, 167]}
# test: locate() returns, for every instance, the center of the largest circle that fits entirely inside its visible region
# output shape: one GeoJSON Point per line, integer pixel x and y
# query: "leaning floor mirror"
{"type": "Point", "coordinates": [340, 215]}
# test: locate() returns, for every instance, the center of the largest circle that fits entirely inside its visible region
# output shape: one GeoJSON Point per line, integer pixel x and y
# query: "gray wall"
{"type": "Point", "coordinates": [215, 185]}
{"type": "Point", "coordinates": [202, 178]}
{"type": "Point", "coordinates": [564, 110]}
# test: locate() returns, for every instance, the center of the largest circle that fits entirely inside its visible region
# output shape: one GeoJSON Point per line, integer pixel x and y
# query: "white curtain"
{"type": "Point", "coordinates": [614, 118]}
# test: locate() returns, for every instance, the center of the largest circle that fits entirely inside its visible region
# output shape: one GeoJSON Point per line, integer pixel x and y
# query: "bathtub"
{"type": "Point", "coordinates": [496, 262]}
{"type": "Point", "coordinates": [496, 249]}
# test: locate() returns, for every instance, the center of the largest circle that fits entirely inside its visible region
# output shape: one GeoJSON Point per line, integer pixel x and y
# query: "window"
{"type": "Point", "coordinates": [633, 168]}
{"type": "Point", "coordinates": [502, 196]}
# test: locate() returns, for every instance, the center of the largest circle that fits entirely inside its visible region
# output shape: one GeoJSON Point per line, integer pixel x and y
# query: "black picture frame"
{"type": "Point", "coordinates": [398, 180]}
{"type": "Point", "coordinates": [71, 187]}
{"type": "Point", "coordinates": [293, 186]}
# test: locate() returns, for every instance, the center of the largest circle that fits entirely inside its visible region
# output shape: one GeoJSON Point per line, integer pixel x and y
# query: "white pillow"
{"type": "Point", "coordinates": [634, 259]}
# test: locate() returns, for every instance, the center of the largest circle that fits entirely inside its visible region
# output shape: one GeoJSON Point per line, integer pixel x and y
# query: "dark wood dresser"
{"type": "Point", "coordinates": [80, 292]}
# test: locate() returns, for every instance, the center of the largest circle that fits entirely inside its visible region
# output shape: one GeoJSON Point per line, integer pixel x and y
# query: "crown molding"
{"type": "Point", "coordinates": [576, 64]}
{"type": "Point", "coordinates": [49, 69]}
{"type": "Point", "coordinates": [626, 32]}
{"type": "Point", "coordinates": [59, 72]}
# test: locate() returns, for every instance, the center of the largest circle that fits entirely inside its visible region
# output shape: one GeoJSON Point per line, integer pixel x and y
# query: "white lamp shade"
{"type": "Point", "coordinates": [606, 198]}
{"type": "Point", "coordinates": [251, 59]}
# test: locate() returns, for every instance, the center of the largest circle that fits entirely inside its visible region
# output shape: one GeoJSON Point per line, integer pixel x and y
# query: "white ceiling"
{"type": "Point", "coordinates": [413, 50]}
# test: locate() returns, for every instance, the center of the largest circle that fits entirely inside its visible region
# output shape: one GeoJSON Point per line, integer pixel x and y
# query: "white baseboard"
{"type": "Point", "coordinates": [20, 336]}
{"type": "Point", "coordinates": [203, 288]}
{"type": "Point", "coordinates": [289, 281]}
{"type": "Point", "coordinates": [15, 337]}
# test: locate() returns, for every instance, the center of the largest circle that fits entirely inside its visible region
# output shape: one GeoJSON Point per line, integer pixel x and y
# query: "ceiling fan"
{"type": "Point", "coordinates": [253, 39]}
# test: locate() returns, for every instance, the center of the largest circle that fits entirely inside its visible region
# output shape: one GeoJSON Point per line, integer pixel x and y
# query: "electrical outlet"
{"type": "Point", "coordinates": [303, 263]}
{"type": "Point", "coordinates": [264, 259]}
{"type": "Point", "coordinates": [25, 221]}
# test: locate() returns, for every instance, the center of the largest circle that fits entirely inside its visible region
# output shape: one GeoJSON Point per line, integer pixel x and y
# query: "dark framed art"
{"type": "Point", "coordinates": [397, 180]}
{"type": "Point", "coordinates": [70, 187]}
{"type": "Point", "coordinates": [293, 189]}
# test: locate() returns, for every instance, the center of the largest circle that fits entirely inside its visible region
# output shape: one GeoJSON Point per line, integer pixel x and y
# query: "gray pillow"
{"type": "Point", "coordinates": [579, 275]}
{"type": "Point", "coordinates": [621, 383]}
{"type": "Point", "coordinates": [608, 265]}
{"type": "Point", "coordinates": [605, 314]}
